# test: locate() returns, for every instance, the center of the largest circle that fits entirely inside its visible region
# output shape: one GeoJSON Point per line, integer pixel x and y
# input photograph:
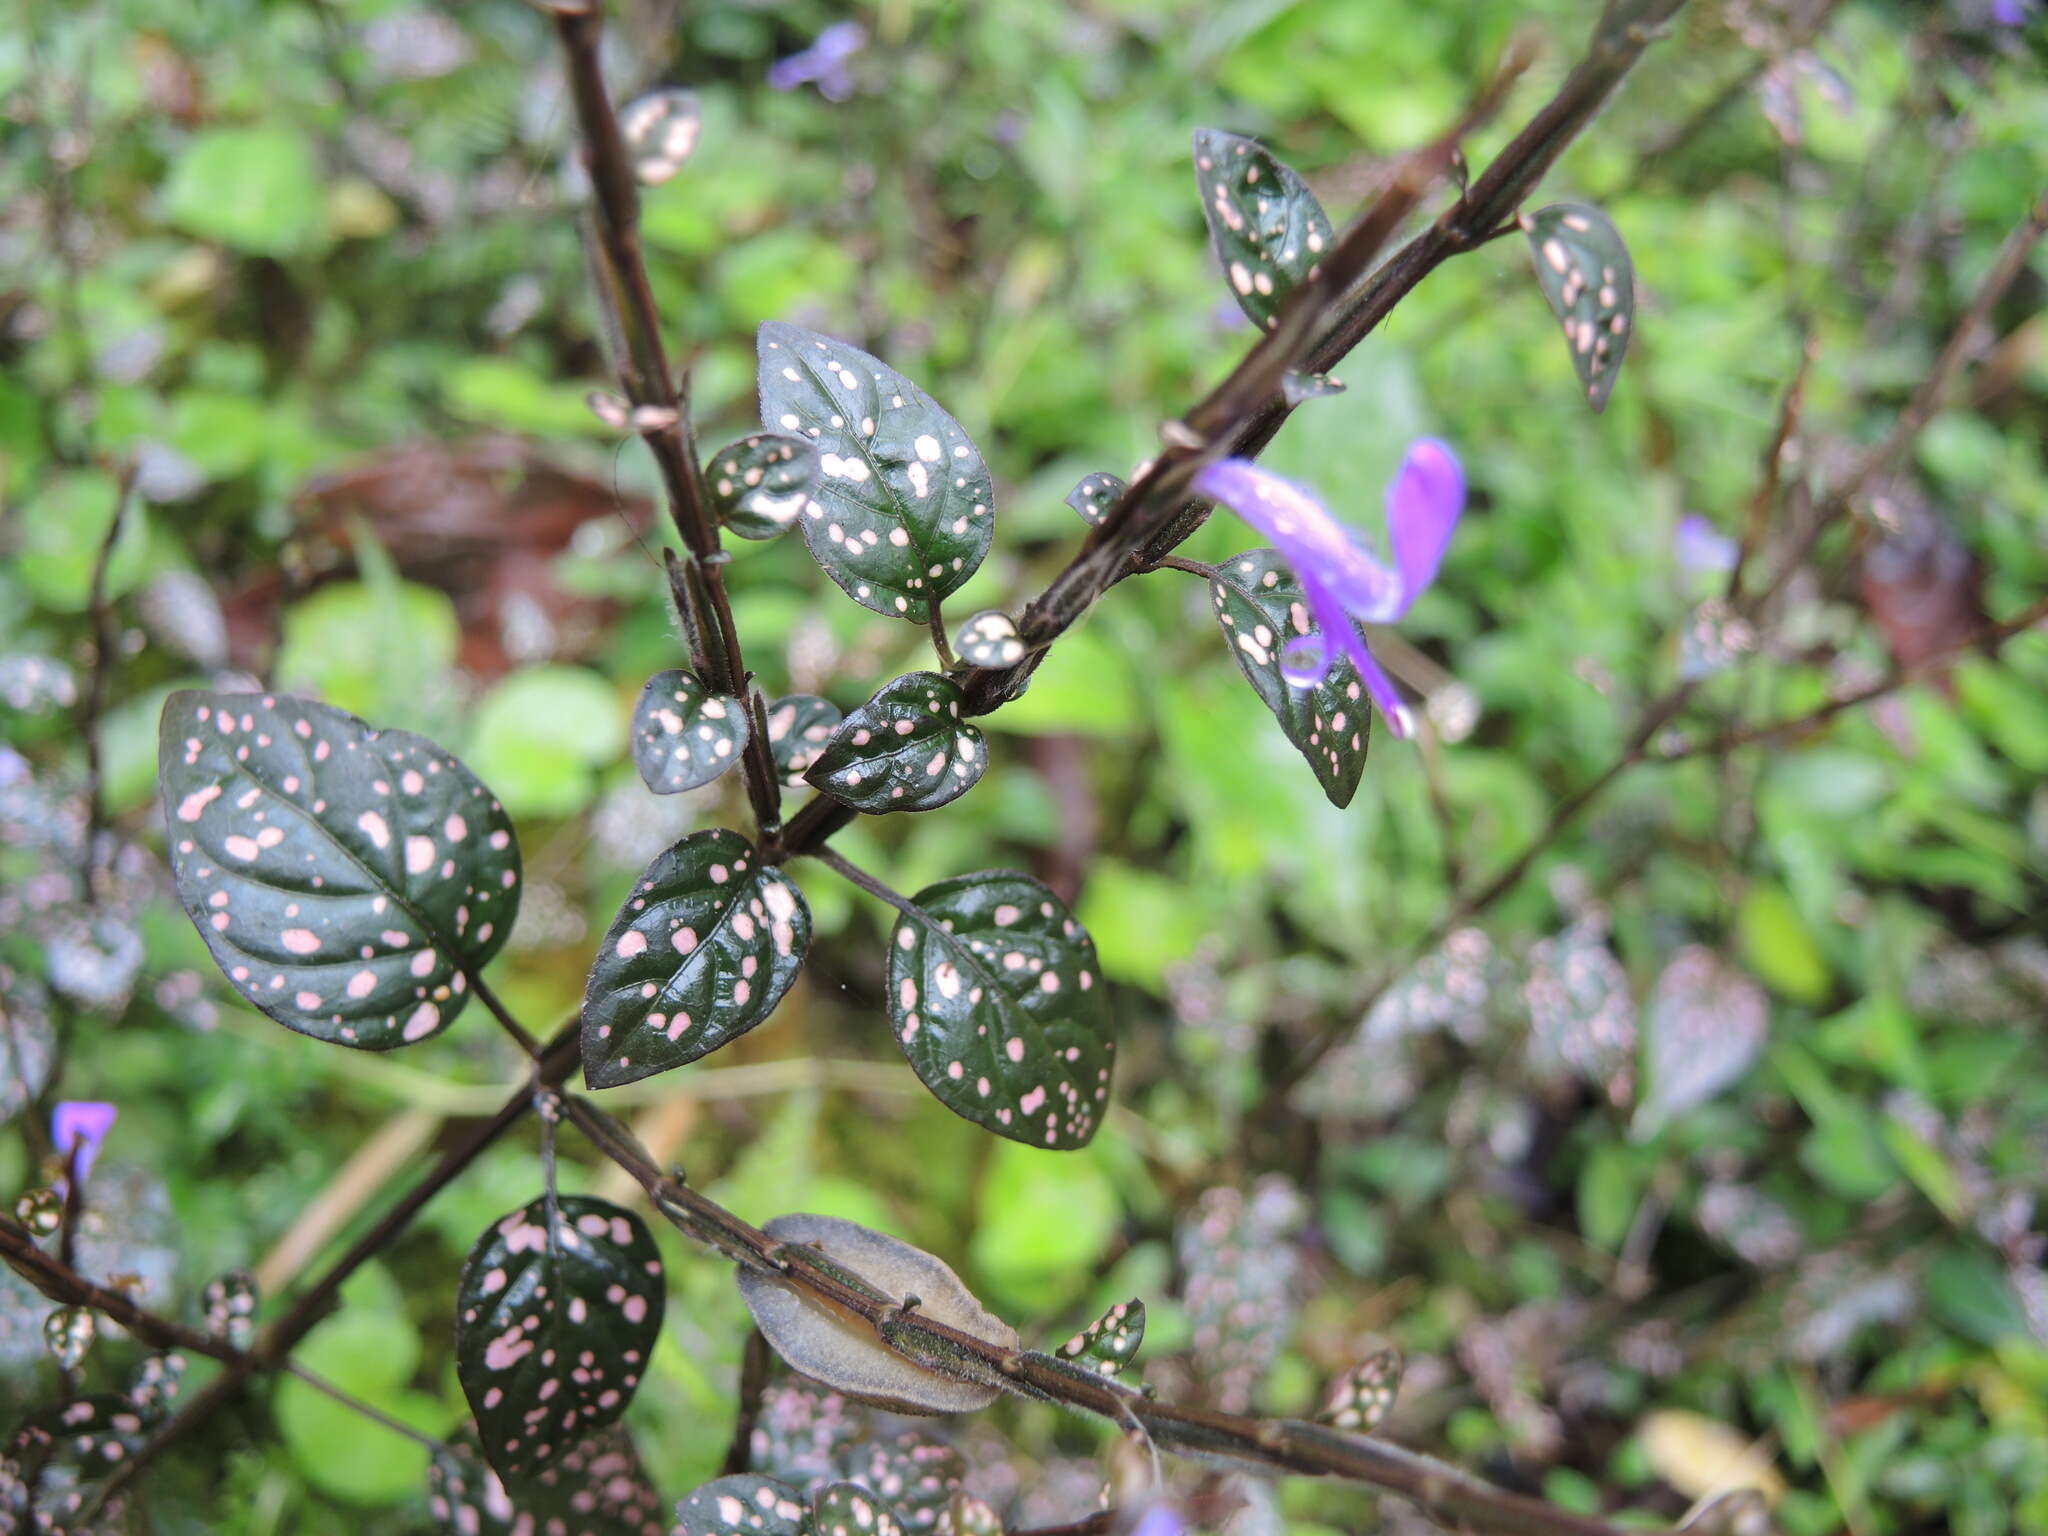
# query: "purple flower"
{"type": "Point", "coordinates": [78, 1126]}
{"type": "Point", "coordinates": [2012, 13]}
{"type": "Point", "coordinates": [1697, 546]}
{"type": "Point", "coordinates": [1159, 1520]}
{"type": "Point", "coordinates": [1344, 584]}
{"type": "Point", "coordinates": [823, 63]}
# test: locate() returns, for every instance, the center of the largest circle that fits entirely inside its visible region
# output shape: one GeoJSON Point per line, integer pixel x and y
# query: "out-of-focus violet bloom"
{"type": "Point", "coordinates": [2012, 13]}
{"type": "Point", "coordinates": [823, 64]}
{"type": "Point", "coordinates": [1159, 1520]}
{"type": "Point", "coordinates": [77, 1127]}
{"type": "Point", "coordinates": [1344, 584]}
{"type": "Point", "coordinates": [1697, 546]}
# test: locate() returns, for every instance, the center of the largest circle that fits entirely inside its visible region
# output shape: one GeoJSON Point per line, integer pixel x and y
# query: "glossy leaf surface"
{"type": "Point", "coordinates": [1260, 606]}
{"type": "Point", "coordinates": [759, 484]}
{"type": "Point", "coordinates": [1267, 228]}
{"type": "Point", "coordinates": [902, 511]}
{"type": "Point", "coordinates": [684, 735]}
{"type": "Point", "coordinates": [553, 1328]}
{"type": "Point", "coordinates": [701, 952]}
{"type": "Point", "coordinates": [1095, 494]}
{"type": "Point", "coordinates": [994, 995]}
{"type": "Point", "coordinates": [799, 725]}
{"type": "Point", "coordinates": [348, 881]}
{"type": "Point", "coordinates": [1583, 266]}
{"type": "Point", "coordinates": [906, 749]}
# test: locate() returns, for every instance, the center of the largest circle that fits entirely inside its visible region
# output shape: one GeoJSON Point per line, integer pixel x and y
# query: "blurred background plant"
{"type": "Point", "coordinates": [1724, 1128]}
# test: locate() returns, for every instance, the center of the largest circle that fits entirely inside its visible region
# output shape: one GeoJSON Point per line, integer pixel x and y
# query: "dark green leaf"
{"type": "Point", "coordinates": [684, 735]}
{"type": "Point", "coordinates": [229, 1307]}
{"type": "Point", "coordinates": [799, 725]}
{"type": "Point", "coordinates": [1111, 1341]}
{"type": "Point", "coordinates": [70, 1332]}
{"type": "Point", "coordinates": [902, 510]}
{"type": "Point", "coordinates": [1260, 606]}
{"type": "Point", "coordinates": [919, 1477]}
{"type": "Point", "coordinates": [1584, 267]}
{"type": "Point", "coordinates": [596, 1488]}
{"type": "Point", "coordinates": [1267, 227]}
{"type": "Point", "coordinates": [701, 952]}
{"type": "Point", "coordinates": [1095, 495]}
{"type": "Point", "coordinates": [842, 1352]}
{"type": "Point", "coordinates": [350, 882]}
{"type": "Point", "coordinates": [847, 1509]}
{"type": "Point", "coordinates": [1363, 1395]}
{"type": "Point", "coordinates": [989, 639]}
{"type": "Point", "coordinates": [906, 749]}
{"type": "Point", "coordinates": [743, 1506]}
{"type": "Point", "coordinates": [993, 994]}
{"type": "Point", "coordinates": [759, 484]}
{"type": "Point", "coordinates": [553, 1328]}
{"type": "Point", "coordinates": [91, 1434]}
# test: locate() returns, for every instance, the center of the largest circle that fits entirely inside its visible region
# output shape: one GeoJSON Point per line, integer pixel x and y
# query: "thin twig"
{"type": "Point", "coordinates": [936, 623]}
{"type": "Point", "coordinates": [1271, 1445]}
{"type": "Point", "coordinates": [755, 1360]}
{"type": "Point", "coordinates": [103, 646]}
{"type": "Point", "coordinates": [855, 875]}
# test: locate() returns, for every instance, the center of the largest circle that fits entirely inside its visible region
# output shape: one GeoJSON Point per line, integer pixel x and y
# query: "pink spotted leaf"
{"type": "Point", "coordinates": [760, 484]}
{"type": "Point", "coordinates": [996, 997]}
{"type": "Point", "coordinates": [906, 749]}
{"type": "Point", "coordinates": [1110, 1342]}
{"type": "Point", "coordinates": [684, 735]}
{"type": "Point", "coordinates": [1262, 611]}
{"type": "Point", "coordinates": [554, 1328]}
{"type": "Point", "coordinates": [1266, 227]}
{"type": "Point", "coordinates": [701, 952]}
{"type": "Point", "coordinates": [902, 511]}
{"type": "Point", "coordinates": [595, 1488]}
{"type": "Point", "coordinates": [350, 882]}
{"type": "Point", "coordinates": [1583, 267]}
{"type": "Point", "coordinates": [799, 725]}
{"type": "Point", "coordinates": [1095, 494]}
{"type": "Point", "coordinates": [743, 1505]}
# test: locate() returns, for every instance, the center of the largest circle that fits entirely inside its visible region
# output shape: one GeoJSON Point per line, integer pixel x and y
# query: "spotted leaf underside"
{"type": "Point", "coordinates": [1267, 228]}
{"type": "Point", "coordinates": [684, 735]}
{"type": "Point", "coordinates": [349, 881]}
{"type": "Point", "coordinates": [799, 725]}
{"type": "Point", "coordinates": [1260, 606]}
{"type": "Point", "coordinates": [1095, 494]}
{"type": "Point", "coordinates": [902, 510]}
{"type": "Point", "coordinates": [759, 484]}
{"type": "Point", "coordinates": [701, 952]}
{"type": "Point", "coordinates": [1583, 266]}
{"type": "Point", "coordinates": [1110, 1342]}
{"type": "Point", "coordinates": [995, 998]}
{"type": "Point", "coordinates": [553, 1328]}
{"type": "Point", "coordinates": [841, 1351]}
{"type": "Point", "coordinates": [597, 1487]}
{"type": "Point", "coordinates": [906, 749]}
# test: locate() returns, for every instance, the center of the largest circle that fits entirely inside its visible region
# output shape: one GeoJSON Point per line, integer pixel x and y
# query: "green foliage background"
{"type": "Point", "coordinates": [288, 247]}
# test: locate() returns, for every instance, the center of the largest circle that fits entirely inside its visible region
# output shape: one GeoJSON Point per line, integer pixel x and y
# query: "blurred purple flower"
{"type": "Point", "coordinates": [1159, 1520]}
{"type": "Point", "coordinates": [1697, 546]}
{"type": "Point", "coordinates": [823, 63]}
{"type": "Point", "coordinates": [2012, 13]}
{"type": "Point", "coordinates": [1343, 583]}
{"type": "Point", "coordinates": [77, 1127]}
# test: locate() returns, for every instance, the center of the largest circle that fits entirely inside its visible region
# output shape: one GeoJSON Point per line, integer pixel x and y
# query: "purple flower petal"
{"type": "Point", "coordinates": [1424, 501]}
{"type": "Point", "coordinates": [1697, 546]}
{"type": "Point", "coordinates": [1321, 550]}
{"type": "Point", "coordinates": [1159, 1520]}
{"type": "Point", "coordinates": [824, 61]}
{"type": "Point", "coordinates": [81, 1124]}
{"type": "Point", "coordinates": [1339, 628]}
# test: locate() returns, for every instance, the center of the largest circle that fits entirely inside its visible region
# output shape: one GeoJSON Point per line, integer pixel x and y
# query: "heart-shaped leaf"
{"type": "Point", "coordinates": [1261, 608]}
{"type": "Point", "coordinates": [799, 725]}
{"type": "Point", "coordinates": [351, 882]}
{"type": "Point", "coordinates": [1706, 1025]}
{"type": "Point", "coordinates": [906, 749]}
{"type": "Point", "coordinates": [1363, 1395]}
{"type": "Point", "coordinates": [701, 952]}
{"type": "Point", "coordinates": [661, 130]}
{"type": "Point", "coordinates": [848, 1509]}
{"type": "Point", "coordinates": [1095, 495]}
{"type": "Point", "coordinates": [759, 484]}
{"type": "Point", "coordinates": [554, 1327]}
{"type": "Point", "coordinates": [990, 639]}
{"type": "Point", "coordinates": [1584, 268]}
{"type": "Point", "coordinates": [595, 1488]}
{"type": "Point", "coordinates": [1582, 1016]}
{"type": "Point", "coordinates": [902, 510]}
{"type": "Point", "coordinates": [992, 992]}
{"type": "Point", "coordinates": [684, 735]}
{"type": "Point", "coordinates": [841, 1351]}
{"type": "Point", "coordinates": [1111, 1341]}
{"type": "Point", "coordinates": [1267, 227]}
{"type": "Point", "coordinates": [743, 1505]}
